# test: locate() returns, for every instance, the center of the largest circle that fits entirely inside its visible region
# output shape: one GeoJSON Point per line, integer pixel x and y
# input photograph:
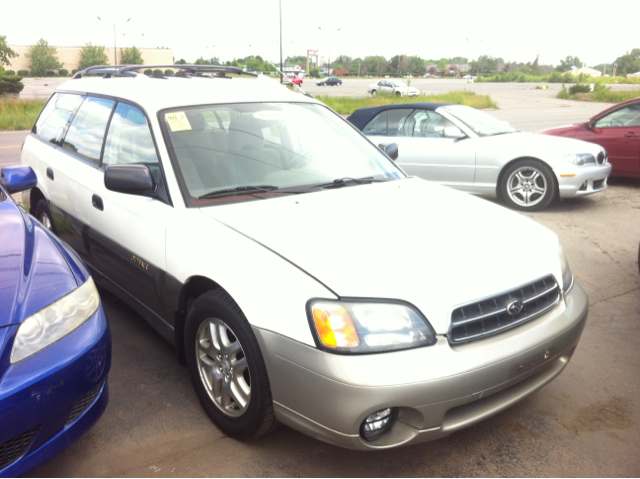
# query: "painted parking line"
{"type": "Point", "coordinates": [7, 147]}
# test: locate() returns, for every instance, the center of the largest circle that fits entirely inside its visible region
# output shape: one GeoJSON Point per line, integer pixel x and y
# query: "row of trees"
{"type": "Point", "coordinates": [43, 58]}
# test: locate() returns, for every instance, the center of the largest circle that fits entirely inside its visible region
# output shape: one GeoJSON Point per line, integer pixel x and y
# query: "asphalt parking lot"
{"type": "Point", "coordinates": [585, 423]}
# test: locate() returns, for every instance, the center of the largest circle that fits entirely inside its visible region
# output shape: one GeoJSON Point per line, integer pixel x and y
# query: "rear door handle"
{"type": "Point", "coordinates": [50, 173]}
{"type": "Point", "coordinates": [96, 201]}
{"type": "Point", "coordinates": [631, 135]}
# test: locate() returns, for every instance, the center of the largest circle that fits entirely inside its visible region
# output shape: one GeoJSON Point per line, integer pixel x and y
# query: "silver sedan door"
{"type": "Point", "coordinates": [424, 151]}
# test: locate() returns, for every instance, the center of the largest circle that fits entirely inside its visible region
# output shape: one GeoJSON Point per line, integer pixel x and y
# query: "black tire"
{"type": "Point", "coordinates": [373, 93]}
{"type": "Point", "coordinates": [216, 311]}
{"type": "Point", "coordinates": [528, 185]}
{"type": "Point", "coordinates": [398, 93]}
{"type": "Point", "coordinates": [43, 215]}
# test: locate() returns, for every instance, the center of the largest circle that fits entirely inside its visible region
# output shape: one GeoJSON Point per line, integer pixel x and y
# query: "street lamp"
{"type": "Point", "coordinates": [329, 46]}
{"type": "Point", "coordinates": [115, 48]}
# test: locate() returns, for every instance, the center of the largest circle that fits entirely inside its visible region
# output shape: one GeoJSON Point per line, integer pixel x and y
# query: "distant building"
{"type": "Point", "coordinates": [634, 75]}
{"type": "Point", "coordinates": [339, 73]}
{"type": "Point", "coordinates": [587, 71]}
{"type": "Point", "coordinates": [70, 57]}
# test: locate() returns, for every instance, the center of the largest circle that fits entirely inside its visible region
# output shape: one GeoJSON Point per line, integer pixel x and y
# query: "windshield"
{"type": "Point", "coordinates": [272, 146]}
{"type": "Point", "coordinates": [480, 122]}
{"type": "Point", "coordinates": [400, 84]}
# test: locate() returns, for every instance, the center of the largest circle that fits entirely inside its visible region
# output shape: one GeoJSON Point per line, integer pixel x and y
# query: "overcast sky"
{"type": "Point", "coordinates": [513, 30]}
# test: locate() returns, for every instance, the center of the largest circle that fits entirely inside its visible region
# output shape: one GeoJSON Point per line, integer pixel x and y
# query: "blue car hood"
{"type": "Point", "coordinates": [33, 271]}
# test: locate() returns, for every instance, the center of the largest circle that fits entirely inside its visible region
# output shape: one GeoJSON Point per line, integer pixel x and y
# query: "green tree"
{"type": "Point", "coordinates": [629, 63]}
{"type": "Point", "coordinates": [131, 56]}
{"type": "Point", "coordinates": [182, 61]}
{"type": "Point", "coordinates": [43, 58]}
{"type": "Point", "coordinates": [416, 65]}
{"type": "Point", "coordinates": [91, 55]}
{"type": "Point", "coordinates": [442, 64]}
{"type": "Point", "coordinates": [458, 60]}
{"type": "Point", "coordinates": [5, 52]}
{"type": "Point", "coordinates": [342, 62]}
{"type": "Point", "coordinates": [485, 64]}
{"type": "Point", "coordinates": [298, 60]}
{"type": "Point", "coordinates": [567, 63]}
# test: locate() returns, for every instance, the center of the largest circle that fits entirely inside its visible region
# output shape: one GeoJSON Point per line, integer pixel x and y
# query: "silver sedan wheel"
{"type": "Point", "coordinates": [223, 367]}
{"type": "Point", "coordinates": [527, 186]}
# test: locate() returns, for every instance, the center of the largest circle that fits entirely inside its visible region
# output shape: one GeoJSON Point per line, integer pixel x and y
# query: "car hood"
{"type": "Point", "coordinates": [408, 239]}
{"type": "Point", "coordinates": [565, 130]}
{"type": "Point", "coordinates": [33, 272]}
{"type": "Point", "coordinates": [544, 146]}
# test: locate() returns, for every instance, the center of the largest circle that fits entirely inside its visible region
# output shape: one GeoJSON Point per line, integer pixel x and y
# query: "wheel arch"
{"type": "Point", "coordinates": [194, 287]}
{"type": "Point", "coordinates": [35, 195]}
{"type": "Point", "coordinates": [506, 166]}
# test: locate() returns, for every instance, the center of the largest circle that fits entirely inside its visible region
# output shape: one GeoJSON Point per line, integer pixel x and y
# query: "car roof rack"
{"type": "Point", "coordinates": [185, 71]}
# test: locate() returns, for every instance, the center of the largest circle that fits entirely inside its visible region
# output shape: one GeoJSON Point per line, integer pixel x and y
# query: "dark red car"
{"type": "Point", "coordinates": [617, 129]}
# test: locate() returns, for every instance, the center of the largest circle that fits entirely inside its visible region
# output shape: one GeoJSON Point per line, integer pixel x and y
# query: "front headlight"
{"type": "Point", "coordinates": [567, 277]}
{"type": "Point", "coordinates": [367, 326]}
{"type": "Point", "coordinates": [55, 321]}
{"type": "Point", "coordinates": [580, 159]}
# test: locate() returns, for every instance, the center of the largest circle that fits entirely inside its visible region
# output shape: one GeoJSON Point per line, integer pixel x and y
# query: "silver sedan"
{"type": "Point", "coordinates": [470, 150]}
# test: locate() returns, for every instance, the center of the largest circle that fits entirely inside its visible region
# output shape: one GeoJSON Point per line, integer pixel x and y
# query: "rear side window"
{"type": "Point", "coordinates": [86, 133]}
{"type": "Point", "coordinates": [129, 140]}
{"type": "Point", "coordinates": [55, 116]}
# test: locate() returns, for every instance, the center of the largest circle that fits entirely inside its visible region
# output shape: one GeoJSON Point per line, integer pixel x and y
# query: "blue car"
{"type": "Point", "coordinates": [55, 342]}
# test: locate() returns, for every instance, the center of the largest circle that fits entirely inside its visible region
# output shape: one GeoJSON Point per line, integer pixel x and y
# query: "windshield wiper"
{"type": "Point", "coordinates": [348, 181]}
{"type": "Point", "coordinates": [239, 189]}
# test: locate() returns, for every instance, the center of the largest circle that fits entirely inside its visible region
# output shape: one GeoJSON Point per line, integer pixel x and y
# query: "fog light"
{"type": "Point", "coordinates": [376, 424]}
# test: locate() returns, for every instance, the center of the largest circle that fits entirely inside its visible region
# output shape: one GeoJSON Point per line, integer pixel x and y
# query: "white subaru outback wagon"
{"type": "Point", "coordinates": [300, 274]}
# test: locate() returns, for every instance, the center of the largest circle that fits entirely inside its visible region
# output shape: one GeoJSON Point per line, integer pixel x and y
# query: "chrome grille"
{"type": "Point", "coordinates": [490, 315]}
{"type": "Point", "coordinates": [14, 448]}
{"type": "Point", "coordinates": [82, 404]}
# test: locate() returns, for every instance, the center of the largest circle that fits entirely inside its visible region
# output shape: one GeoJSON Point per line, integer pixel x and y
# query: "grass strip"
{"type": "Point", "coordinates": [347, 105]}
{"type": "Point", "coordinates": [606, 96]}
{"type": "Point", "coordinates": [19, 114]}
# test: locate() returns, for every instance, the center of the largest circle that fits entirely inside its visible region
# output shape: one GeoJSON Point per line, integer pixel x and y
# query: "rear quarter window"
{"type": "Point", "coordinates": [55, 116]}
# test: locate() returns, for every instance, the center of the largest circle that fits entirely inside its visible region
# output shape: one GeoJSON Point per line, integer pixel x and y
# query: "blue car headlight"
{"type": "Point", "coordinates": [55, 321]}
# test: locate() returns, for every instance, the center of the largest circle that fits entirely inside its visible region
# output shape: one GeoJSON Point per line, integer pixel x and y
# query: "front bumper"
{"type": "Point", "coordinates": [586, 180]}
{"type": "Point", "coordinates": [437, 389]}
{"type": "Point", "coordinates": [57, 394]}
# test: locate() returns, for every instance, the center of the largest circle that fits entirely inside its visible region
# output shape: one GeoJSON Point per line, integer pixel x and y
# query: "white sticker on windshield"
{"type": "Point", "coordinates": [178, 121]}
{"type": "Point", "coordinates": [268, 115]}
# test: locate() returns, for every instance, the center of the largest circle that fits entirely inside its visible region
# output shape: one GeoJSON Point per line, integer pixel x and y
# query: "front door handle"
{"type": "Point", "coordinates": [50, 173]}
{"type": "Point", "coordinates": [96, 201]}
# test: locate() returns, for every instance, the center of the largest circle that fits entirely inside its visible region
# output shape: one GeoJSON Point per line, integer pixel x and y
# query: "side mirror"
{"type": "Point", "coordinates": [453, 132]}
{"type": "Point", "coordinates": [130, 179]}
{"type": "Point", "coordinates": [16, 178]}
{"type": "Point", "coordinates": [390, 150]}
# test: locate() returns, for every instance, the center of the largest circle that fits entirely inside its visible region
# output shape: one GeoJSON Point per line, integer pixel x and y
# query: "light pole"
{"type": "Point", "coordinates": [115, 48]}
{"type": "Point", "coordinates": [281, 66]}
{"type": "Point", "coordinates": [329, 47]}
